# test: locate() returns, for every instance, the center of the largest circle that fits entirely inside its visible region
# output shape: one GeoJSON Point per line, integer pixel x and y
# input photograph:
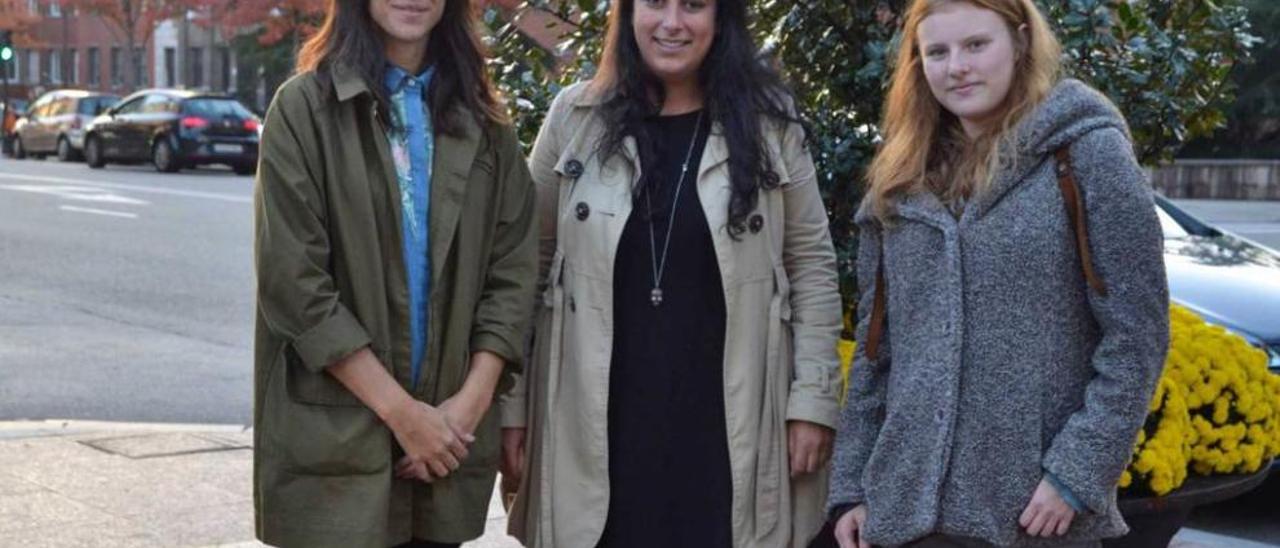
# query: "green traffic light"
{"type": "Point", "coordinates": [6, 53]}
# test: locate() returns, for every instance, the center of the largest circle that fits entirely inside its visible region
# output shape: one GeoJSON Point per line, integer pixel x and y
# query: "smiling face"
{"type": "Point", "coordinates": [674, 36]}
{"type": "Point", "coordinates": [406, 25]}
{"type": "Point", "coordinates": [968, 56]}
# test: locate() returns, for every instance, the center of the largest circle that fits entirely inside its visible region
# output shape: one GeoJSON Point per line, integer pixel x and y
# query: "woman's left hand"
{"type": "Point", "coordinates": [464, 410]}
{"type": "Point", "coordinates": [1047, 514]}
{"type": "Point", "coordinates": [808, 446]}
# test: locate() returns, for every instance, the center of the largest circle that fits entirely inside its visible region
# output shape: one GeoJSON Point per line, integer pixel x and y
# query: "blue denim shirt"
{"type": "Point", "coordinates": [412, 148]}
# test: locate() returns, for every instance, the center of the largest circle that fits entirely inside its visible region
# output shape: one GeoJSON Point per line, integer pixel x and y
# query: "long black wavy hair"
{"type": "Point", "coordinates": [741, 90]}
{"type": "Point", "coordinates": [349, 36]}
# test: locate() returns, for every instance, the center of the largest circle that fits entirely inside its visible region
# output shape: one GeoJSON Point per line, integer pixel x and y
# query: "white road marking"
{"type": "Point", "coordinates": [136, 188]}
{"type": "Point", "coordinates": [79, 193]}
{"type": "Point", "coordinates": [78, 209]}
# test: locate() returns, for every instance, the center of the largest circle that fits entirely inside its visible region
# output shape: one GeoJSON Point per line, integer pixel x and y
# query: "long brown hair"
{"type": "Point", "coordinates": [741, 90]}
{"type": "Point", "coordinates": [350, 37]}
{"type": "Point", "coordinates": [925, 148]}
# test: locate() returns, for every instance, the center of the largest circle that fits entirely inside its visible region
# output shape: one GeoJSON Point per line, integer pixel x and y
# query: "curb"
{"type": "Point", "coordinates": [21, 429]}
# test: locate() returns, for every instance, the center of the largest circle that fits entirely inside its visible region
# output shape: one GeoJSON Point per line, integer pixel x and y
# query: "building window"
{"type": "Point", "coordinates": [95, 67]}
{"type": "Point", "coordinates": [139, 62]}
{"type": "Point", "coordinates": [117, 75]}
{"type": "Point", "coordinates": [196, 62]}
{"type": "Point", "coordinates": [170, 64]}
{"type": "Point", "coordinates": [55, 9]}
{"type": "Point", "coordinates": [33, 67]}
{"type": "Point", "coordinates": [197, 67]}
{"type": "Point", "coordinates": [224, 55]}
{"type": "Point", "coordinates": [55, 67]}
{"type": "Point", "coordinates": [73, 65]}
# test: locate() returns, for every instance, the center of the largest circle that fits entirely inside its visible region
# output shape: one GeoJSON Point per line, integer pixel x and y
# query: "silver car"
{"type": "Point", "coordinates": [1229, 280]}
{"type": "Point", "coordinates": [55, 123]}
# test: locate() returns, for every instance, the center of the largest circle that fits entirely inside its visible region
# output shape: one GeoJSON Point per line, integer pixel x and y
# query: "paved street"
{"type": "Point", "coordinates": [1257, 221]}
{"type": "Point", "coordinates": [125, 294]}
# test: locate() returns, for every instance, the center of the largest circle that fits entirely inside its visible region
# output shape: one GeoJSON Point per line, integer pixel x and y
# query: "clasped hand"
{"type": "Point", "coordinates": [435, 439]}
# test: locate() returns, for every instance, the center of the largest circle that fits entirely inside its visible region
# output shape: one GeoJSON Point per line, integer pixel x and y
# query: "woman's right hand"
{"type": "Point", "coordinates": [848, 529]}
{"type": "Point", "coordinates": [433, 447]}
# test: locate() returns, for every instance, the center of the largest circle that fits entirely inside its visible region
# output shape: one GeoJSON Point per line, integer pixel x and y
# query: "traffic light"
{"type": "Point", "coordinates": [6, 46]}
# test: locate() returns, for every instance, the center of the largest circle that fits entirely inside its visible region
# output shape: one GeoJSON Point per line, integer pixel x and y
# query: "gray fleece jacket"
{"type": "Point", "coordinates": [998, 363]}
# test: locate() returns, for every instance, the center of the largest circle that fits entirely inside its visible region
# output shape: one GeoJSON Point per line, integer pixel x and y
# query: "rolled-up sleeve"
{"type": "Point", "coordinates": [297, 297]}
{"type": "Point", "coordinates": [504, 310]}
{"type": "Point", "coordinates": [810, 261]}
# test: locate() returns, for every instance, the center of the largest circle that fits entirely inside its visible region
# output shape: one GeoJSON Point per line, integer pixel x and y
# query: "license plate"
{"type": "Point", "coordinates": [227, 149]}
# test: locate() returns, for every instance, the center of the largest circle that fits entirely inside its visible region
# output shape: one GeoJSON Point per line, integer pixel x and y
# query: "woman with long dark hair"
{"type": "Point", "coordinates": [394, 222]}
{"type": "Point", "coordinates": [686, 382]}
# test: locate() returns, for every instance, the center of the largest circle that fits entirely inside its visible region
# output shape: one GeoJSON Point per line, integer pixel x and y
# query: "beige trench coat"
{"type": "Point", "coordinates": [783, 320]}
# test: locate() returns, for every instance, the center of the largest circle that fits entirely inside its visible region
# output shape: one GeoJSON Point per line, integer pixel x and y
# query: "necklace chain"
{"type": "Point", "coordinates": [660, 265]}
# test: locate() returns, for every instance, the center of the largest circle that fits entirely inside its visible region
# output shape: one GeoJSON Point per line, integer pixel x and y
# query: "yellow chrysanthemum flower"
{"type": "Point", "coordinates": [1215, 411]}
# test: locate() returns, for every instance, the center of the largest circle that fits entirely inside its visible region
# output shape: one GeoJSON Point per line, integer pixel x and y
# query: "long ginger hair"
{"type": "Point", "coordinates": [925, 147]}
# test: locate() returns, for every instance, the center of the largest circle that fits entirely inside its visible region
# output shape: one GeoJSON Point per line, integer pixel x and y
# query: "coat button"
{"type": "Point", "coordinates": [573, 305]}
{"type": "Point", "coordinates": [940, 415]}
{"type": "Point", "coordinates": [582, 211]}
{"type": "Point", "coordinates": [756, 223]}
{"type": "Point", "coordinates": [573, 168]}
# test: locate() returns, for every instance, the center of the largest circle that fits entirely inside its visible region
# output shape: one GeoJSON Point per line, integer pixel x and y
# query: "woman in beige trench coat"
{"type": "Point", "coordinates": [670, 66]}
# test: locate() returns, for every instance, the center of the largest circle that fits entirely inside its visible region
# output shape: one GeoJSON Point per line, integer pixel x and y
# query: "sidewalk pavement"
{"type": "Point", "coordinates": [72, 484]}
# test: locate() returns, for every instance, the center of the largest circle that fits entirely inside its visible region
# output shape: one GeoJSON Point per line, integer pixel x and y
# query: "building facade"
{"type": "Point", "coordinates": [87, 51]}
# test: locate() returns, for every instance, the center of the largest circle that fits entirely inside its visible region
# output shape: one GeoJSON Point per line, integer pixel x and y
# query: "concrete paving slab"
{"type": "Point", "coordinates": [167, 444]}
{"type": "Point", "coordinates": [225, 524]}
{"type": "Point", "coordinates": [92, 534]}
{"type": "Point", "coordinates": [44, 509]}
{"type": "Point", "coordinates": [13, 485]}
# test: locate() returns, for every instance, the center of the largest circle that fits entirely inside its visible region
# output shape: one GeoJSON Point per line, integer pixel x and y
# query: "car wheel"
{"type": "Point", "coordinates": [162, 156]}
{"type": "Point", "coordinates": [93, 153]}
{"type": "Point", "coordinates": [244, 169]}
{"type": "Point", "coordinates": [19, 151]}
{"type": "Point", "coordinates": [65, 152]}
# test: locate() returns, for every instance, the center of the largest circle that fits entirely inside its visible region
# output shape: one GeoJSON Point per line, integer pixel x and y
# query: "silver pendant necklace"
{"type": "Point", "coordinates": [660, 265]}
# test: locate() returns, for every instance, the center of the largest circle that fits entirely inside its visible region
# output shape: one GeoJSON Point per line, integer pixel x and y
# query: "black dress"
{"type": "Point", "coordinates": [669, 474]}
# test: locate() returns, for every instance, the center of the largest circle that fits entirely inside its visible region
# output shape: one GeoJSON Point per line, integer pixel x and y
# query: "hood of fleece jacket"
{"type": "Point", "coordinates": [1072, 110]}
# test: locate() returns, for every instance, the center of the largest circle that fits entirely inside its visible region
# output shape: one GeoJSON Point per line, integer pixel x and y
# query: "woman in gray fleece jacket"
{"type": "Point", "coordinates": [1000, 397]}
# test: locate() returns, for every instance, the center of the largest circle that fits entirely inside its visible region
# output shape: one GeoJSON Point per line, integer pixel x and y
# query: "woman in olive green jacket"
{"type": "Point", "coordinates": [395, 260]}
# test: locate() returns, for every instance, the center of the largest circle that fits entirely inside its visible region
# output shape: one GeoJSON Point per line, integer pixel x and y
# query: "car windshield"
{"type": "Point", "coordinates": [1169, 225]}
{"type": "Point", "coordinates": [216, 108]}
{"type": "Point", "coordinates": [94, 106]}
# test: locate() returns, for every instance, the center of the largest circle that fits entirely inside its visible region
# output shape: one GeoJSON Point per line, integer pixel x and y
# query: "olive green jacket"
{"type": "Point", "coordinates": [331, 281]}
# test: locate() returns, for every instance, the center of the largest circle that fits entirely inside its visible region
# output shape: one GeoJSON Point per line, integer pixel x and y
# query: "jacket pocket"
{"type": "Point", "coordinates": [317, 439]}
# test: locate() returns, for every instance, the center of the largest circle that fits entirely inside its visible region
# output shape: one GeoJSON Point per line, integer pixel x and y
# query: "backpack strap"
{"type": "Point", "coordinates": [1080, 231]}
{"type": "Point", "coordinates": [1075, 214]}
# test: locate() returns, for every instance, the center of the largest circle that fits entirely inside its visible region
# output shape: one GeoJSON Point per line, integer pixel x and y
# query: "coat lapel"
{"type": "Point", "coordinates": [451, 168]}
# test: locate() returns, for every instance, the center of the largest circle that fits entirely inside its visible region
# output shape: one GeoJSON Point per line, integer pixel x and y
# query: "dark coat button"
{"type": "Point", "coordinates": [573, 306]}
{"type": "Point", "coordinates": [582, 210]}
{"type": "Point", "coordinates": [573, 169]}
{"type": "Point", "coordinates": [756, 223]}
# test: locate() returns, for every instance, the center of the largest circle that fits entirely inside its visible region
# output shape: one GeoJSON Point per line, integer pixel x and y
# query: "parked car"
{"type": "Point", "coordinates": [55, 123]}
{"type": "Point", "coordinates": [1228, 280]}
{"type": "Point", "coordinates": [10, 112]}
{"type": "Point", "coordinates": [175, 129]}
